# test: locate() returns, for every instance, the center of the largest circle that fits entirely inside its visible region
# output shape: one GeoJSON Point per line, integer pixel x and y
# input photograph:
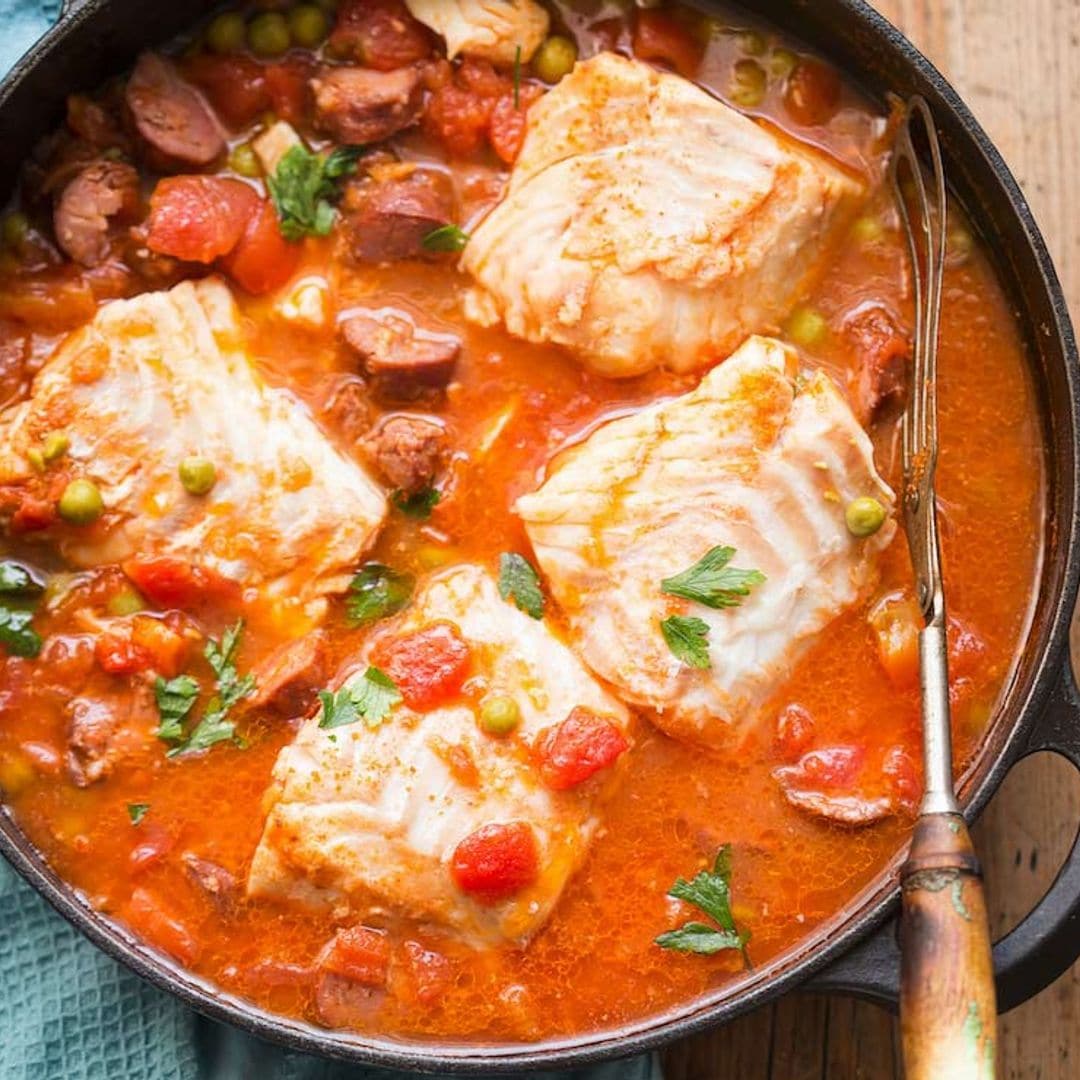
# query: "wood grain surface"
{"type": "Point", "coordinates": [1017, 64]}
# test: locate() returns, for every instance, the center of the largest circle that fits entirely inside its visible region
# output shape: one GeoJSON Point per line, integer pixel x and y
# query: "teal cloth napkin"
{"type": "Point", "coordinates": [69, 1012]}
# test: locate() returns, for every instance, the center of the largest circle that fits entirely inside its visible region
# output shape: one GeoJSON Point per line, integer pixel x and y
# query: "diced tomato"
{"type": "Point", "coordinates": [458, 118]}
{"type": "Point", "coordinates": [287, 87]}
{"type": "Point", "coordinates": [117, 654]}
{"type": "Point", "coordinates": [496, 861]}
{"type": "Point", "coordinates": [895, 621]}
{"type": "Point", "coordinates": [578, 748]}
{"type": "Point", "coordinates": [263, 260]}
{"type": "Point", "coordinates": [167, 581]}
{"type": "Point", "coordinates": [34, 514]}
{"type": "Point", "coordinates": [235, 85]}
{"type": "Point", "coordinates": [833, 767]}
{"type": "Point", "coordinates": [428, 666]}
{"type": "Point", "coordinates": [360, 954]}
{"type": "Point", "coordinates": [794, 732]}
{"type": "Point", "coordinates": [812, 93]}
{"type": "Point", "coordinates": [155, 842]}
{"type": "Point", "coordinates": [381, 34]}
{"type": "Point", "coordinates": [430, 972]}
{"type": "Point", "coordinates": [199, 218]}
{"type": "Point", "coordinates": [166, 645]}
{"type": "Point", "coordinates": [149, 919]}
{"type": "Point", "coordinates": [509, 121]}
{"type": "Point", "coordinates": [658, 36]}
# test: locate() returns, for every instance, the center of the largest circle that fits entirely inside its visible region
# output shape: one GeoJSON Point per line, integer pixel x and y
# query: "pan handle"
{"type": "Point", "coordinates": [70, 7]}
{"type": "Point", "coordinates": [1042, 947]}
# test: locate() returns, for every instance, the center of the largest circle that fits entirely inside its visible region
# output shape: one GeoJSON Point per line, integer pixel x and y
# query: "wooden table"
{"type": "Point", "coordinates": [1017, 64]}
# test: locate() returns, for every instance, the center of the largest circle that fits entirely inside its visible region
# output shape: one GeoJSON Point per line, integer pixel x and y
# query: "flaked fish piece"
{"type": "Point", "coordinates": [757, 458]}
{"type": "Point", "coordinates": [491, 29]}
{"type": "Point", "coordinates": [648, 224]}
{"type": "Point", "coordinates": [167, 375]}
{"type": "Point", "coordinates": [379, 817]}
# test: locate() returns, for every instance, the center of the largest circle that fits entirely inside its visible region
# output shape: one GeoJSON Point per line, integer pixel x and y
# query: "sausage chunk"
{"type": "Point", "coordinates": [289, 678]}
{"type": "Point", "coordinates": [394, 351]}
{"type": "Point", "coordinates": [101, 191]}
{"type": "Point", "coordinates": [390, 220]}
{"type": "Point", "coordinates": [102, 731]}
{"type": "Point", "coordinates": [408, 451]}
{"type": "Point", "coordinates": [220, 886]}
{"type": "Point", "coordinates": [883, 352]}
{"type": "Point", "coordinates": [171, 115]}
{"type": "Point", "coordinates": [360, 106]}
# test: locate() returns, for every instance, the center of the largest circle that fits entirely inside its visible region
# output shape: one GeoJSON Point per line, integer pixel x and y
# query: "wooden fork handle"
{"type": "Point", "coordinates": [948, 1012]}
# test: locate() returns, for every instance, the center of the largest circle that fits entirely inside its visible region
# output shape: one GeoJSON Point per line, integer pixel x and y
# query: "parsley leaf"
{"type": "Point", "coordinates": [175, 699]}
{"type": "Point", "coordinates": [446, 238]}
{"type": "Point", "coordinates": [687, 638]}
{"type": "Point", "coordinates": [710, 581]}
{"type": "Point", "coordinates": [376, 592]}
{"type": "Point", "coordinates": [137, 811]}
{"type": "Point", "coordinates": [16, 633]}
{"type": "Point", "coordinates": [419, 504]}
{"type": "Point", "coordinates": [521, 583]}
{"type": "Point", "coordinates": [710, 892]}
{"type": "Point", "coordinates": [371, 698]}
{"type": "Point", "coordinates": [304, 187]}
{"type": "Point", "coordinates": [16, 580]}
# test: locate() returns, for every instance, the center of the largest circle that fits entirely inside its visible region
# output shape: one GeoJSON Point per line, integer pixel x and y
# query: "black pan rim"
{"type": "Point", "coordinates": [857, 923]}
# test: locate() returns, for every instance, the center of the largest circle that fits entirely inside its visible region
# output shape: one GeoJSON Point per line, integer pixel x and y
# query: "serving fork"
{"type": "Point", "coordinates": [948, 1014]}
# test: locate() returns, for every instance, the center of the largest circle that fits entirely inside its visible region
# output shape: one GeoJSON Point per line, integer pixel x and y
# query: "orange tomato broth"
{"type": "Point", "coordinates": [594, 964]}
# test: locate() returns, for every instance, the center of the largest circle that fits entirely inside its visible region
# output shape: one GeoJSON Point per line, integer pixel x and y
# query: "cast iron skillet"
{"type": "Point", "coordinates": [856, 952]}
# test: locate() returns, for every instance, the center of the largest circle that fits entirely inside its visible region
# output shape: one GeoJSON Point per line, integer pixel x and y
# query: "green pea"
{"type": "Point", "coordinates": [864, 516]}
{"type": "Point", "coordinates": [867, 229]}
{"type": "Point", "coordinates": [125, 602]}
{"type": "Point", "coordinates": [55, 446]}
{"type": "Point", "coordinates": [308, 25]}
{"type": "Point", "coordinates": [198, 475]}
{"type": "Point", "coordinates": [807, 327]}
{"type": "Point", "coordinates": [268, 34]}
{"type": "Point", "coordinates": [748, 83]}
{"type": "Point", "coordinates": [554, 59]}
{"type": "Point", "coordinates": [36, 459]}
{"type": "Point", "coordinates": [81, 503]}
{"type": "Point", "coordinates": [245, 162]}
{"type": "Point", "coordinates": [226, 33]}
{"type": "Point", "coordinates": [16, 227]}
{"type": "Point", "coordinates": [782, 61]}
{"type": "Point", "coordinates": [499, 715]}
{"type": "Point", "coordinates": [751, 42]}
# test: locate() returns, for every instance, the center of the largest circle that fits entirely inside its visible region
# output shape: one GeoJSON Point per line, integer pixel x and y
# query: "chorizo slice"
{"type": "Point", "coordinates": [98, 193]}
{"type": "Point", "coordinates": [218, 884]}
{"type": "Point", "coordinates": [171, 115]}
{"type": "Point", "coordinates": [392, 348]}
{"type": "Point", "coordinates": [883, 352]}
{"type": "Point", "coordinates": [289, 678]}
{"type": "Point", "coordinates": [359, 106]}
{"type": "Point", "coordinates": [390, 220]}
{"type": "Point", "coordinates": [408, 451]}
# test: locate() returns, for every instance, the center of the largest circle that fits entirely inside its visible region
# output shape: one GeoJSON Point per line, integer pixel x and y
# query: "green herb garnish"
{"type": "Point", "coordinates": [418, 504]}
{"type": "Point", "coordinates": [446, 238]}
{"type": "Point", "coordinates": [518, 581]}
{"type": "Point", "coordinates": [370, 698]}
{"type": "Point", "coordinates": [710, 581]}
{"type": "Point", "coordinates": [137, 811]}
{"type": "Point", "coordinates": [305, 186]}
{"type": "Point", "coordinates": [376, 592]}
{"type": "Point", "coordinates": [687, 638]}
{"type": "Point", "coordinates": [709, 892]}
{"type": "Point", "coordinates": [16, 633]}
{"type": "Point", "coordinates": [175, 699]}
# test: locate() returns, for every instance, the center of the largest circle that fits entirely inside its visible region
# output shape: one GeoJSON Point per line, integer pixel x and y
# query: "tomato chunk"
{"type": "Point", "coordinates": [496, 861]}
{"type": "Point", "coordinates": [147, 917]}
{"type": "Point", "coordinates": [263, 260]}
{"type": "Point", "coordinates": [167, 581]}
{"type": "Point", "coordinates": [428, 666]}
{"type": "Point", "coordinates": [509, 122]}
{"type": "Point", "coordinates": [235, 85]}
{"type": "Point", "coordinates": [117, 654]}
{"type": "Point", "coordinates": [895, 621]}
{"type": "Point", "coordinates": [199, 218]}
{"type": "Point", "coordinates": [287, 88]}
{"type": "Point", "coordinates": [570, 753]}
{"type": "Point", "coordinates": [429, 972]}
{"type": "Point", "coordinates": [794, 732]}
{"type": "Point", "coordinates": [381, 34]}
{"type": "Point", "coordinates": [658, 36]}
{"type": "Point", "coordinates": [360, 954]}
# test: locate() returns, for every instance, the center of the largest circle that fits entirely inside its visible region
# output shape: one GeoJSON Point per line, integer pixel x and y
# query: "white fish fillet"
{"type": "Point", "coordinates": [165, 375]}
{"type": "Point", "coordinates": [373, 816]}
{"type": "Point", "coordinates": [490, 29]}
{"type": "Point", "coordinates": [750, 460]}
{"type": "Point", "coordinates": [648, 224]}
